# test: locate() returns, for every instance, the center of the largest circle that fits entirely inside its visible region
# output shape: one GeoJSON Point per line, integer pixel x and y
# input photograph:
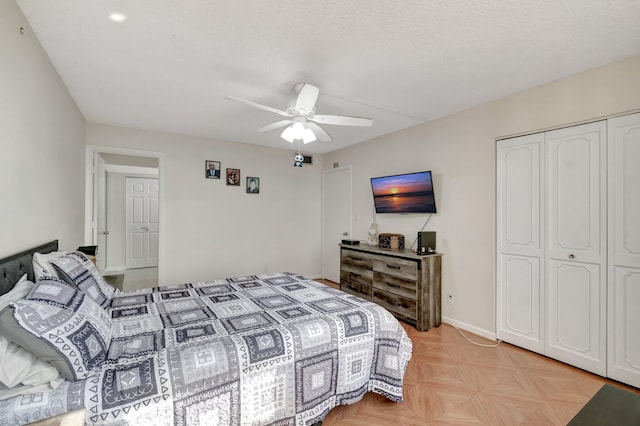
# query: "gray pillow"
{"type": "Point", "coordinates": [19, 365]}
{"type": "Point", "coordinates": [76, 269]}
{"type": "Point", "coordinates": [54, 291]}
{"type": "Point", "coordinates": [75, 342]}
{"type": "Point", "coordinates": [10, 328]}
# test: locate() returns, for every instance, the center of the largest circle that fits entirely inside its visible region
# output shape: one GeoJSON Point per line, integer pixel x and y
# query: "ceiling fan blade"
{"type": "Point", "coordinates": [307, 97]}
{"type": "Point", "coordinates": [275, 125]}
{"type": "Point", "coordinates": [260, 106]}
{"type": "Point", "coordinates": [342, 120]}
{"type": "Point", "coordinates": [319, 132]}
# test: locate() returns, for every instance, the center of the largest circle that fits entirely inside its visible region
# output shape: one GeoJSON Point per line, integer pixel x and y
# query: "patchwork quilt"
{"type": "Point", "coordinates": [271, 349]}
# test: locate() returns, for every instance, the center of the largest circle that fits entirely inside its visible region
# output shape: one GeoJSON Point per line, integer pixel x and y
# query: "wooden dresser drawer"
{"type": "Point", "coordinates": [356, 275]}
{"type": "Point", "coordinates": [395, 304]}
{"type": "Point", "coordinates": [357, 289]}
{"type": "Point", "coordinates": [395, 285]}
{"type": "Point", "coordinates": [355, 258]}
{"type": "Point", "coordinates": [406, 269]}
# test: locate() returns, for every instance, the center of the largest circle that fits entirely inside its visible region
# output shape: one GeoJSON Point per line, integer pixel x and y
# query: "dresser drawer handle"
{"type": "Point", "coordinates": [392, 266]}
{"type": "Point", "coordinates": [353, 274]}
{"type": "Point", "coordinates": [392, 285]}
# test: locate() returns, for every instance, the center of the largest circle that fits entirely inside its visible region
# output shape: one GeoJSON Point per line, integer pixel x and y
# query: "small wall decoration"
{"type": "Point", "coordinates": [233, 177]}
{"type": "Point", "coordinates": [212, 169]}
{"type": "Point", "coordinates": [253, 185]}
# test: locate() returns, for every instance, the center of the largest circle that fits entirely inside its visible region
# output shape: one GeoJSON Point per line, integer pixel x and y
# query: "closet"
{"type": "Point", "coordinates": [568, 245]}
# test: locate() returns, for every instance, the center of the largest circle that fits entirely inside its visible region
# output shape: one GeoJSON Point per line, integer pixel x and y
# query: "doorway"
{"type": "Point", "coordinates": [336, 218]}
{"type": "Point", "coordinates": [108, 170]}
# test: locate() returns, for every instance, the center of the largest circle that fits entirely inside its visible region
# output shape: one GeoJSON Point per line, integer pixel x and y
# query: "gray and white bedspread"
{"type": "Point", "coordinates": [270, 349]}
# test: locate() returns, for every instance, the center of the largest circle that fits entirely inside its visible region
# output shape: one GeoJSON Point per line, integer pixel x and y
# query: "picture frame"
{"type": "Point", "coordinates": [253, 185]}
{"type": "Point", "coordinates": [212, 169]}
{"type": "Point", "coordinates": [233, 177]}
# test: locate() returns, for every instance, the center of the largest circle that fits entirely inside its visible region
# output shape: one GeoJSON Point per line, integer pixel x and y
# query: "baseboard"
{"type": "Point", "coordinates": [114, 270]}
{"type": "Point", "coordinates": [470, 328]}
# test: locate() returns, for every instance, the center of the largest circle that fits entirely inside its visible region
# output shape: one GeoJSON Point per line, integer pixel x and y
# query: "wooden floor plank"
{"type": "Point", "coordinates": [450, 381]}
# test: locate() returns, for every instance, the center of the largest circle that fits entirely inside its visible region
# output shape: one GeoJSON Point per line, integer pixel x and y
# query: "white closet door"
{"type": "Point", "coordinates": [576, 246]}
{"type": "Point", "coordinates": [520, 242]}
{"type": "Point", "coordinates": [623, 356]}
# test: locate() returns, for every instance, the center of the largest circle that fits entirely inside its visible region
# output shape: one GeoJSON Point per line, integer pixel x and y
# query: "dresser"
{"type": "Point", "coordinates": [406, 284]}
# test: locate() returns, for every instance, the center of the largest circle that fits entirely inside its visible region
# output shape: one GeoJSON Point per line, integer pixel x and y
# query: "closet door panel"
{"type": "Point", "coordinates": [520, 320]}
{"type": "Point", "coordinates": [519, 242]}
{"type": "Point", "coordinates": [576, 193]}
{"type": "Point", "coordinates": [623, 356]}
{"type": "Point", "coordinates": [624, 348]}
{"type": "Point", "coordinates": [575, 332]}
{"type": "Point", "coordinates": [519, 195]}
{"type": "Point", "coordinates": [575, 259]}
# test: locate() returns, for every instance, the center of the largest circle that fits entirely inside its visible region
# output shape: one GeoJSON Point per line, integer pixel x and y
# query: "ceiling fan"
{"type": "Point", "coordinates": [302, 120]}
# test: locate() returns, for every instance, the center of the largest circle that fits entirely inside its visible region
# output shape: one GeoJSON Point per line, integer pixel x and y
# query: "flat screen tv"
{"type": "Point", "coordinates": [407, 193]}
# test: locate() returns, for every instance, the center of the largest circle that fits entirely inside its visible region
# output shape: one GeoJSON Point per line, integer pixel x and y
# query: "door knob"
{"type": "Point", "coordinates": [571, 256]}
{"type": "Point", "coordinates": [344, 234]}
{"type": "Point", "coordinates": [105, 232]}
{"type": "Point", "coordinates": [144, 228]}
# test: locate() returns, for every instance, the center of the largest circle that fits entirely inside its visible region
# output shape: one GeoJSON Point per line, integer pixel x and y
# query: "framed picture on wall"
{"type": "Point", "coordinates": [212, 169]}
{"type": "Point", "coordinates": [253, 185]}
{"type": "Point", "coordinates": [233, 177]}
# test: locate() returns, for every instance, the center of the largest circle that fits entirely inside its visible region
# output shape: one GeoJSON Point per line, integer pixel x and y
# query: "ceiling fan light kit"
{"type": "Point", "coordinates": [298, 131]}
{"type": "Point", "coordinates": [302, 124]}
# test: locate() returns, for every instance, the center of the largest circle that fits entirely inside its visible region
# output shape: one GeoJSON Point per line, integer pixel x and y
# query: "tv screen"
{"type": "Point", "coordinates": [407, 193]}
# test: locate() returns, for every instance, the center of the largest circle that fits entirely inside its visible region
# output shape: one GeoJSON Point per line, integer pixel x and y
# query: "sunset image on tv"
{"type": "Point", "coordinates": [408, 193]}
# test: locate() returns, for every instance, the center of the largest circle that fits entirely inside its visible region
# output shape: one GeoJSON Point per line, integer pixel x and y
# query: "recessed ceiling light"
{"type": "Point", "coordinates": [117, 17]}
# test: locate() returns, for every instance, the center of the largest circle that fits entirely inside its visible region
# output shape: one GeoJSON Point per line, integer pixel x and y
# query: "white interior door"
{"type": "Point", "coordinates": [520, 217]}
{"type": "Point", "coordinates": [576, 246]}
{"type": "Point", "coordinates": [142, 222]}
{"type": "Point", "coordinates": [623, 356]}
{"type": "Point", "coordinates": [336, 217]}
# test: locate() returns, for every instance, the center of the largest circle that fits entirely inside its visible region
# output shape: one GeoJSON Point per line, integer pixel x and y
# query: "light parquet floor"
{"type": "Point", "coordinates": [135, 279]}
{"type": "Point", "coordinates": [450, 381]}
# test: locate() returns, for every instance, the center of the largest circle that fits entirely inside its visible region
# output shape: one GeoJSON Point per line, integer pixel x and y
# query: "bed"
{"type": "Point", "coordinates": [274, 349]}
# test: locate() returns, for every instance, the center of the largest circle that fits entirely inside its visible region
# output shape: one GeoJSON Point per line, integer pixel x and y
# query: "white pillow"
{"type": "Point", "coordinates": [41, 265]}
{"type": "Point", "coordinates": [18, 292]}
{"type": "Point", "coordinates": [20, 367]}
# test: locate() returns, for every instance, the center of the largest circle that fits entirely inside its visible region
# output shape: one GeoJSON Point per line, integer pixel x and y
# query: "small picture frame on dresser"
{"type": "Point", "coordinates": [391, 241]}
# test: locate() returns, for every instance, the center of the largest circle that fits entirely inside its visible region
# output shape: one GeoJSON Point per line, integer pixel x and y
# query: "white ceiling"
{"type": "Point", "coordinates": [169, 66]}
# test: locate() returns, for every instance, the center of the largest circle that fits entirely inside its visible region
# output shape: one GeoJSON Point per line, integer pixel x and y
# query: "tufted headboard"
{"type": "Point", "coordinates": [13, 267]}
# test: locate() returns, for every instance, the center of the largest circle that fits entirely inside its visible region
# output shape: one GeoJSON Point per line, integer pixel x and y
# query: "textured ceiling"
{"type": "Point", "coordinates": [169, 66]}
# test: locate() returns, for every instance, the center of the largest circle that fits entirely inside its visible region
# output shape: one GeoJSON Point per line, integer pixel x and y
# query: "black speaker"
{"type": "Point", "coordinates": [426, 242]}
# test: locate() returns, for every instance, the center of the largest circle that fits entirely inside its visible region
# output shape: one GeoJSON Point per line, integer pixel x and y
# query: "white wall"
{"type": "Point", "coordinates": [41, 144]}
{"type": "Point", "coordinates": [460, 150]}
{"type": "Point", "coordinates": [211, 230]}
